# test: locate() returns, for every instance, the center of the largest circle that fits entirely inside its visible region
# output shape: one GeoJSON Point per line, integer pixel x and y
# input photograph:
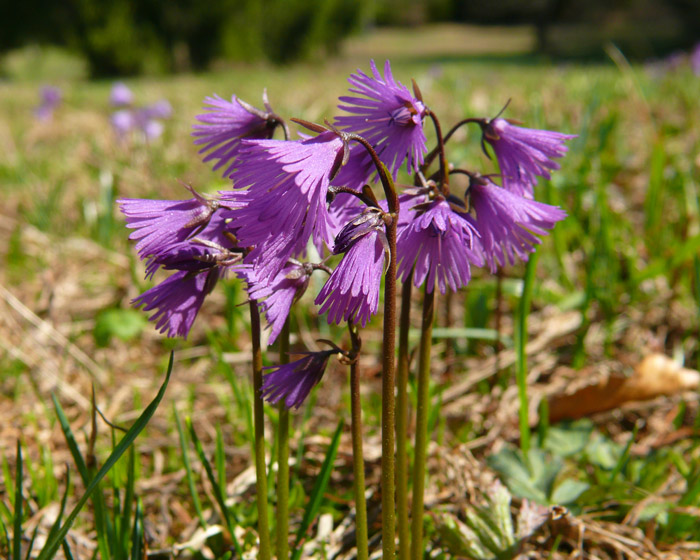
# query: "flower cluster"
{"type": "Point", "coordinates": [128, 118]}
{"type": "Point", "coordinates": [50, 99]}
{"type": "Point", "coordinates": [291, 198]}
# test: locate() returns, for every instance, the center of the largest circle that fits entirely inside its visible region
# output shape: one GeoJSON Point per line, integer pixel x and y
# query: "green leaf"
{"type": "Point", "coordinates": [52, 545]}
{"type": "Point", "coordinates": [568, 438]}
{"type": "Point", "coordinates": [568, 491]}
{"type": "Point", "coordinates": [125, 324]}
{"type": "Point", "coordinates": [532, 479]}
{"type": "Point", "coordinates": [603, 452]}
{"type": "Point", "coordinates": [19, 498]}
{"type": "Point", "coordinates": [319, 488]}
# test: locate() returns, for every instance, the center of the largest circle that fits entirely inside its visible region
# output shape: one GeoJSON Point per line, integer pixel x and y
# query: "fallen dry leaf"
{"type": "Point", "coordinates": [654, 376]}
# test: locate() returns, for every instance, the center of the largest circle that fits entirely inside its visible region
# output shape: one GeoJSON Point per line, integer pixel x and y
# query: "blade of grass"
{"type": "Point", "coordinates": [319, 489]}
{"type": "Point", "coordinates": [520, 343]}
{"type": "Point", "coordinates": [19, 498]}
{"type": "Point", "coordinates": [137, 552]}
{"type": "Point", "coordinates": [52, 545]}
{"type": "Point", "coordinates": [184, 448]}
{"type": "Point", "coordinates": [218, 493]}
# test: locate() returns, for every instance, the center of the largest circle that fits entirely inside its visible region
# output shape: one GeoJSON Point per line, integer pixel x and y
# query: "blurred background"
{"type": "Point", "coordinates": [107, 38]}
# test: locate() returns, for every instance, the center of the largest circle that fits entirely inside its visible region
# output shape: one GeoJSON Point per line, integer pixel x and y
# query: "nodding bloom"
{"type": "Point", "coordinates": [287, 184]}
{"type": "Point", "coordinates": [293, 381]}
{"type": "Point", "coordinates": [199, 263]}
{"type": "Point", "coordinates": [276, 297]}
{"type": "Point", "coordinates": [121, 95]}
{"type": "Point", "coordinates": [508, 224]}
{"type": "Point", "coordinates": [178, 299]}
{"type": "Point", "coordinates": [224, 125]}
{"type": "Point", "coordinates": [523, 154]}
{"type": "Point", "coordinates": [50, 99]}
{"type": "Point", "coordinates": [161, 226]}
{"type": "Point", "coordinates": [695, 59]}
{"type": "Point", "coordinates": [352, 291]}
{"type": "Point", "coordinates": [441, 243]}
{"type": "Point", "coordinates": [389, 118]}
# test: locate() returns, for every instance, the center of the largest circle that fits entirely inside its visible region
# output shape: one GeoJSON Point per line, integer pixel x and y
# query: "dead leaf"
{"type": "Point", "coordinates": [654, 376]}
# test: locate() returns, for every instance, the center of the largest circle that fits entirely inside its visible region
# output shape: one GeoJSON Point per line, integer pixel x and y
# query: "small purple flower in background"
{"type": "Point", "coordinates": [695, 59]}
{"type": "Point", "coordinates": [293, 382]}
{"type": "Point", "coordinates": [524, 153]}
{"type": "Point", "coordinates": [508, 224]}
{"type": "Point", "coordinates": [287, 184]}
{"type": "Point", "coordinates": [223, 127]}
{"type": "Point", "coordinates": [145, 120]}
{"type": "Point", "coordinates": [121, 95]}
{"type": "Point", "coordinates": [441, 243]}
{"type": "Point", "coordinates": [352, 291]}
{"type": "Point", "coordinates": [50, 99]}
{"type": "Point", "coordinates": [389, 118]}
{"type": "Point", "coordinates": [277, 296]}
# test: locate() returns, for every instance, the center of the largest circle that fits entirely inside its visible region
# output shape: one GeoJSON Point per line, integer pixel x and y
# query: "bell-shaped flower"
{"type": "Point", "coordinates": [441, 242]}
{"type": "Point", "coordinates": [508, 224]}
{"type": "Point", "coordinates": [287, 183]}
{"type": "Point", "coordinates": [224, 125]}
{"type": "Point", "coordinates": [293, 382]}
{"type": "Point", "coordinates": [389, 117]}
{"type": "Point", "coordinates": [524, 154]}
{"type": "Point", "coordinates": [352, 291]}
{"type": "Point", "coordinates": [276, 297]}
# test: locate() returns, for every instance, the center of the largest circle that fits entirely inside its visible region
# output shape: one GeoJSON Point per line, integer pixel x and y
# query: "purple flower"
{"type": "Point", "coordinates": [524, 153]}
{"type": "Point", "coordinates": [287, 185]}
{"type": "Point", "coordinates": [122, 122]}
{"type": "Point", "coordinates": [159, 110]}
{"type": "Point", "coordinates": [277, 296]}
{"type": "Point", "coordinates": [293, 382]}
{"type": "Point", "coordinates": [695, 59]}
{"type": "Point", "coordinates": [121, 95]}
{"type": "Point", "coordinates": [224, 125]}
{"type": "Point", "coordinates": [142, 119]}
{"type": "Point", "coordinates": [50, 99]}
{"type": "Point", "coordinates": [162, 224]}
{"type": "Point", "coordinates": [389, 118]}
{"type": "Point", "coordinates": [352, 291]}
{"type": "Point", "coordinates": [508, 223]}
{"type": "Point", "coordinates": [177, 300]}
{"type": "Point", "coordinates": [441, 243]}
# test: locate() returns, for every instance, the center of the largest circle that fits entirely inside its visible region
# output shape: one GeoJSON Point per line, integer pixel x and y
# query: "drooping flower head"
{"type": "Point", "coordinates": [441, 242]}
{"type": "Point", "coordinates": [287, 183]}
{"type": "Point", "coordinates": [524, 154]}
{"type": "Point", "coordinates": [275, 297]}
{"type": "Point", "coordinates": [389, 117]}
{"type": "Point", "coordinates": [121, 95]}
{"type": "Point", "coordinates": [695, 59]}
{"type": "Point", "coordinates": [293, 382]}
{"type": "Point", "coordinates": [508, 223]}
{"type": "Point", "coordinates": [225, 124]}
{"type": "Point", "coordinates": [160, 226]}
{"type": "Point", "coordinates": [50, 98]}
{"type": "Point", "coordinates": [352, 291]}
{"type": "Point", "coordinates": [144, 120]}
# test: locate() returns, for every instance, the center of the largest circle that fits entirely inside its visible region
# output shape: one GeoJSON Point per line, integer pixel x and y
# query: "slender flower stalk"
{"type": "Point", "coordinates": [402, 420]}
{"type": "Point", "coordinates": [358, 463]}
{"type": "Point", "coordinates": [283, 459]}
{"type": "Point", "coordinates": [259, 428]}
{"type": "Point", "coordinates": [422, 412]}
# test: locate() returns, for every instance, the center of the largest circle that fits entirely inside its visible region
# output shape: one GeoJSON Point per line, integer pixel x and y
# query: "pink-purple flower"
{"type": "Point", "coordinates": [276, 297]}
{"type": "Point", "coordinates": [508, 223]}
{"type": "Point", "coordinates": [293, 382]}
{"type": "Point", "coordinates": [524, 154]}
{"type": "Point", "coordinates": [389, 117]}
{"type": "Point", "coordinates": [121, 95]}
{"type": "Point", "coordinates": [287, 183]}
{"type": "Point", "coordinates": [352, 291]}
{"type": "Point", "coordinates": [223, 127]}
{"type": "Point", "coordinates": [441, 243]}
{"type": "Point", "coordinates": [50, 99]}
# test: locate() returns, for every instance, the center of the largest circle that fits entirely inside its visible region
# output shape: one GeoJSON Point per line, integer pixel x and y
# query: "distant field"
{"type": "Point", "coordinates": [618, 279]}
